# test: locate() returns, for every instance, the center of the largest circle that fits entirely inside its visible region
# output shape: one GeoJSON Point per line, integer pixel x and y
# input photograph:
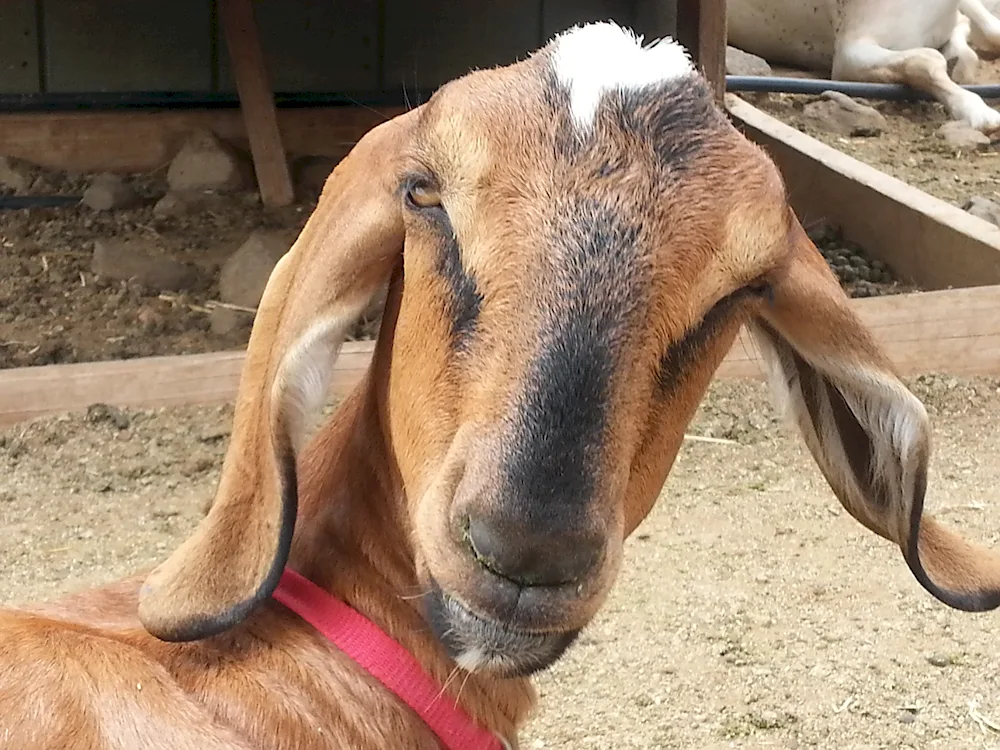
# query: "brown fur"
{"type": "Point", "coordinates": [423, 444]}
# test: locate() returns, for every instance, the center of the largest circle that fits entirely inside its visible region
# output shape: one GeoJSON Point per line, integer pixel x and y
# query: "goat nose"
{"type": "Point", "coordinates": [531, 559]}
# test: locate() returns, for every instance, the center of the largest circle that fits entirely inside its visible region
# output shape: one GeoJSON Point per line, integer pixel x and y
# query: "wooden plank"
{"type": "Point", "coordinates": [315, 46]}
{"type": "Point", "coordinates": [701, 27]}
{"type": "Point", "coordinates": [19, 64]}
{"type": "Point", "coordinates": [150, 382]}
{"type": "Point", "coordinates": [432, 42]}
{"type": "Point", "coordinates": [143, 141]}
{"type": "Point", "coordinates": [274, 178]}
{"type": "Point", "coordinates": [923, 239]}
{"type": "Point", "coordinates": [954, 331]}
{"type": "Point", "coordinates": [94, 45]}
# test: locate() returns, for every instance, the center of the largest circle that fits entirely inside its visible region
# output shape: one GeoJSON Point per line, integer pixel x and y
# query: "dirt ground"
{"type": "Point", "coordinates": [752, 611]}
{"type": "Point", "coordinates": [909, 149]}
{"type": "Point", "coordinates": [54, 310]}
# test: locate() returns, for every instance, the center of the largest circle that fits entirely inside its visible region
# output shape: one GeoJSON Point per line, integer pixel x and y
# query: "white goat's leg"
{"type": "Point", "coordinates": [922, 68]}
{"type": "Point", "coordinates": [958, 49]}
{"type": "Point", "coordinates": [984, 23]}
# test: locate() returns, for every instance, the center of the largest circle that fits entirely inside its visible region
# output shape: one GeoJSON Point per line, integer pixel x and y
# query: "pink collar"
{"type": "Point", "coordinates": [385, 660]}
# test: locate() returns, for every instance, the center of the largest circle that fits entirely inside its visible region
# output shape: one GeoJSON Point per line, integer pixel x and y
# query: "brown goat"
{"type": "Point", "coordinates": [571, 245]}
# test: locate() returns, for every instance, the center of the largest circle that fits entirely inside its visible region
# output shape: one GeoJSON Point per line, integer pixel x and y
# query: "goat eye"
{"type": "Point", "coordinates": [423, 195]}
{"type": "Point", "coordinates": [762, 289]}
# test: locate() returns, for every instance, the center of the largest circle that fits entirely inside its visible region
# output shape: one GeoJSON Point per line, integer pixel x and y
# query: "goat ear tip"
{"type": "Point", "coordinates": [959, 574]}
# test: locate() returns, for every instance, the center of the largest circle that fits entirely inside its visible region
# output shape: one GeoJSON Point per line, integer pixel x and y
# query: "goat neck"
{"type": "Point", "coordinates": [352, 541]}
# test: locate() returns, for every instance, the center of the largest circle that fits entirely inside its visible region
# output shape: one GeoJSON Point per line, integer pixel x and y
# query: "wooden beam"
{"type": "Point", "coordinates": [257, 102]}
{"type": "Point", "coordinates": [701, 27]}
{"type": "Point", "coordinates": [923, 239]}
{"type": "Point", "coordinates": [148, 382]}
{"type": "Point", "coordinates": [147, 140]}
{"type": "Point", "coordinates": [955, 331]}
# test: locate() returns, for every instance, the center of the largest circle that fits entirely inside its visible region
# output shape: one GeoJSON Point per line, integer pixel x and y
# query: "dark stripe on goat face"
{"type": "Point", "coordinates": [464, 298]}
{"type": "Point", "coordinates": [595, 290]}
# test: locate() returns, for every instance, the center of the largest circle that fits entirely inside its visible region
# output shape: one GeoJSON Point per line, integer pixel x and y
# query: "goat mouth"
{"type": "Point", "coordinates": [479, 644]}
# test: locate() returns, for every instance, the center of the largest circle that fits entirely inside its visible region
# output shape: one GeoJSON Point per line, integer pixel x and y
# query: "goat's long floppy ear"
{"type": "Point", "coordinates": [866, 430]}
{"type": "Point", "coordinates": [346, 251]}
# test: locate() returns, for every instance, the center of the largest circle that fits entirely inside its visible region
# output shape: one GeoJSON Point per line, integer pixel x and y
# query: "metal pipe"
{"type": "Point", "coordinates": [863, 90]}
{"type": "Point", "coordinates": [15, 202]}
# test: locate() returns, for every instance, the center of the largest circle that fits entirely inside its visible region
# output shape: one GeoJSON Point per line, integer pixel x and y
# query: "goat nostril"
{"type": "Point", "coordinates": [527, 559]}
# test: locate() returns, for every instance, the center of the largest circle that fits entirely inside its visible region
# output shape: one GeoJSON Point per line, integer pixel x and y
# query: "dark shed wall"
{"type": "Point", "coordinates": [75, 46]}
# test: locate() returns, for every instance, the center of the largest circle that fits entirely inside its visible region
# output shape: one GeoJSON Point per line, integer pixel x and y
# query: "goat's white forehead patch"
{"type": "Point", "coordinates": [598, 58]}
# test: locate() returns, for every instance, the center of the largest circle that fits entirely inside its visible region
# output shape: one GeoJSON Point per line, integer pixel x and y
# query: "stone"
{"type": "Point", "coordinates": [740, 63]}
{"type": "Point", "coordinates": [984, 208]}
{"type": "Point", "coordinates": [180, 203]}
{"type": "Point", "coordinates": [225, 320]}
{"type": "Point", "coordinates": [15, 175]}
{"type": "Point", "coordinates": [100, 412]}
{"type": "Point", "coordinates": [244, 275]}
{"type": "Point", "coordinates": [136, 260]}
{"type": "Point", "coordinates": [963, 136]}
{"type": "Point", "coordinates": [940, 660]}
{"type": "Point", "coordinates": [170, 205]}
{"type": "Point", "coordinates": [840, 114]}
{"type": "Point", "coordinates": [206, 163]}
{"type": "Point", "coordinates": [107, 192]}
{"type": "Point", "coordinates": [42, 185]}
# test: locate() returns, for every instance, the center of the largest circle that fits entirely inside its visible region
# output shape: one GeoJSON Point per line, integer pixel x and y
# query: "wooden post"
{"type": "Point", "coordinates": [257, 102]}
{"type": "Point", "coordinates": [701, 27]}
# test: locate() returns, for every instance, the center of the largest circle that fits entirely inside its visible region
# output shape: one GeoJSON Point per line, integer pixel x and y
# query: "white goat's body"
{"type": "Point", "coordinates": [887, 41]}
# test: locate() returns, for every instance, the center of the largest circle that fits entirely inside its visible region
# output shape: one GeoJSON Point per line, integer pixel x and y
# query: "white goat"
{"type": "Point", "coordinates": [882, 41]}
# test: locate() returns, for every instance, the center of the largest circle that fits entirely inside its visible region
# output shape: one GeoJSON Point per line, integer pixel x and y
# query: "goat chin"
{"type": "Point", "coordinates": [480, 644]}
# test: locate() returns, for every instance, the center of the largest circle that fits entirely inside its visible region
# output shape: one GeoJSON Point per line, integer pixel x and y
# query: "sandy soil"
{"type": "Point", "coordinates": [909, 149]}
{"type": "Point", "coordinates": [752, 612]}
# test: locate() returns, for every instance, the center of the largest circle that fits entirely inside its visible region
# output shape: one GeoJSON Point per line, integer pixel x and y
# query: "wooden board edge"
{"type": "Point", "coordinates": [212, 378]}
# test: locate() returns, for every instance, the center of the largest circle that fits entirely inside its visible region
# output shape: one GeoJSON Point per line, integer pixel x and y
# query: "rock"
{"type": "Point", "coordinates": [740, 63]}
{"type": "Point", "coordinates": [15, 175]}
{"type": "Point", "coordinates": [137, 261]}
{"type": "Point", "coordinates": [984, 208]}
{"type": "Point", "coordinates": [963, 136]}
{"type": "Point", "coordinates": [840, 114]}
{"type": "Point", "coordinates": [939, 660]}
{"type": "Point", "coordinates": [97, 413]}
{"type": "Point", "coordinates": [180, 203]}
{"type": "Point", "coordinates": [171, 204]}
{"type": "Point", "coordinates": [245, 274]}
{"type": "Point", "coordinates": [311, 173]}
{"type": "Point", "coordinates": [205, 163]}
{"type": "Point", "coordinates": [109, 191]}
{"type": "Point", "coordinates": [225, 320]}
{"type": "Point", "coordinates": [150, 321]}
{"type": "Point", "coordinates": [42, 185]}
